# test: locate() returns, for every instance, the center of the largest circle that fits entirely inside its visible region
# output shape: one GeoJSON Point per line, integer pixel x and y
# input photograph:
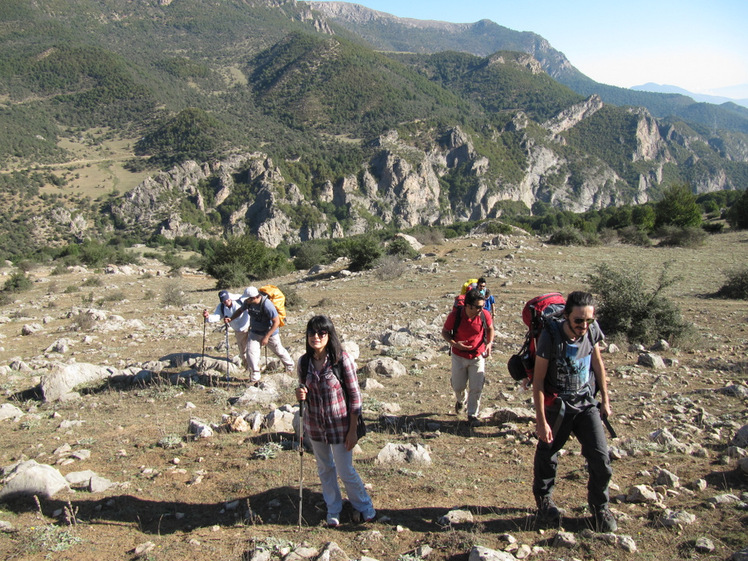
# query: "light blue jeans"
{"type": "Point", "coordinates": [470, 374]}
{"type": "Point", "coordinates": [334, 460]}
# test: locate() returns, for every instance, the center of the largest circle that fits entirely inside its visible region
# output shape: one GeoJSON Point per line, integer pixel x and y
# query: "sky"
{"type": "Point", "coordinates": [698, 45]}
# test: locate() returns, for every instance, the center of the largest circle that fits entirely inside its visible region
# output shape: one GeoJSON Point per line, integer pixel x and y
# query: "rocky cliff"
{"type": "Point", "coordinates": [403, 183]}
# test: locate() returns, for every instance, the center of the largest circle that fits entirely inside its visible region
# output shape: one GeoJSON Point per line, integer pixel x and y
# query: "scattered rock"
{"type": "Point", "coordinates": [403, 453]}
{"type": "Point", "coordinates": [31, 478]}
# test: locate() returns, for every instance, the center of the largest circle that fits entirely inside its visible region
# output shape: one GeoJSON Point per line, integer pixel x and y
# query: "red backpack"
{"type": "Point", "coordinates": [536, 314]}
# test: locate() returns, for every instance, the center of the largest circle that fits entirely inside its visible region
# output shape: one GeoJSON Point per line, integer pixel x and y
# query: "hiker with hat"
{"type": "Point", "coordinates": [228, 304]}
{"type": "Point", "coordinates": [264, 323]}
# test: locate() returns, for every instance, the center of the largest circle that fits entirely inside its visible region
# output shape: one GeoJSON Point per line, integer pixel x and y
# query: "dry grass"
{"type": "Point", "coordinates": [135, 433]}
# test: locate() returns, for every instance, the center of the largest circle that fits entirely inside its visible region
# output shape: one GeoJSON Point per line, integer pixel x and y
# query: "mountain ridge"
{"type": "Point", "coordinates": [494, 37]}
{"type": "Point", "coordinates": [352, 139]}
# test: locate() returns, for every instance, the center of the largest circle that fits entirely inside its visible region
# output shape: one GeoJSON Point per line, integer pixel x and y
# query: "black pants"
{"type": "Point", "coordinates": [585, 422]}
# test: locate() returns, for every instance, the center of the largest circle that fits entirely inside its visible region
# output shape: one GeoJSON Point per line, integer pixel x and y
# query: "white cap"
{"type": "Point", "coordinates": [251, 292]}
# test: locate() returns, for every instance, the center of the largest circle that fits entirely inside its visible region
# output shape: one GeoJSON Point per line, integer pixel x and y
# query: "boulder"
{"type": "Point", "coordinates": [62, 379]}
{"type": "Point", "coordinates": [30, 478]}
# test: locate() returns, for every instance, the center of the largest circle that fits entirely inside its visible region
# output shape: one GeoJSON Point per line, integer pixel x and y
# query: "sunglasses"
{"type": "Point", "coordinates": [582, 321]}
{"type": "Point", "coordinates": [321, 333]}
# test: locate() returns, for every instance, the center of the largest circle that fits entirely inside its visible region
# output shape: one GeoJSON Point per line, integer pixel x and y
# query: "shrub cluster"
{"type": "Point", "coordinates": [736, 286]}
{"type": "Point", "coordinates": [628, 307]}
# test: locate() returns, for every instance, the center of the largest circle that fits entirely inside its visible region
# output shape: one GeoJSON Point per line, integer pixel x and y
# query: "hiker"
{"type": "Point", "coordinates": [332, 416]}
{"type": "Point", "coordinates": [263, 331]}
{"type": "Point", "coordinates": [490, 301]}
{"type": "Point", "coordinates": [469, 332]}
{"type": "Point", "coordinates": [567, 363]}
{"type": "Point", "coordinates": [230, 303]}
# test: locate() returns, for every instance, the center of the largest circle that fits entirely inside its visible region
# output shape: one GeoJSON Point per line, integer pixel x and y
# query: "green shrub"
{"type": "Point", "coordinates": [242, 259]}
{"type": "Point", "coordinates": [627, 307]}
{"type": "Point", "coordinates": [678, 207]}
{"type": "Point", "coordinates": [713, 227]}
{"type": "Point", "coordinates": [59, 269]}
{"type": "Point", "coordinates": [310, 254]}
{"type": "Point", "coordinates": [363, 253]}
{"type": "Point", "coordinates": [632, 235]}
{"type": "Point", "coordinates": [736, 287]}
{"type": "Point", "coordinates": [18, 282]}
{"type": "Point", "coordinates": [93, 281]}
{"type": "Point", "coordinates": [400, 247]}
{"type": "Point", "coordinates": [674, 236]}
{"type": "Point", "coordinates": [496, 228]}
{"type": "Point", "coordinates": [737, 215]}
{"type": "Point", "coordinates": [568, 235]}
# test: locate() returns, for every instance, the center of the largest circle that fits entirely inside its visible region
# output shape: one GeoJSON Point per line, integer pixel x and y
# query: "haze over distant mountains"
{"type": "Point", "coordinates": [736, 94]}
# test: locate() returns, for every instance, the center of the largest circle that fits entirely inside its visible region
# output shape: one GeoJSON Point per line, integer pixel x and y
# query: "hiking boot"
{"type": "Point", "coordinates": [473, 421]}
{"type": "Point", "coordinates": [254, 377]}
{"type": "Point", "coordinates": [458, 407]}
{"type": "Point", "coordinates": [333, 520]}
{"type": "Point", "coordinates": [604, 520]}
{"type": "Point", "coordinates": [548, 512]}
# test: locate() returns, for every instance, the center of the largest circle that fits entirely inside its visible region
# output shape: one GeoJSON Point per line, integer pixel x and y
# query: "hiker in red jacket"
{"type": "Point", "coordinates": [469, 332]}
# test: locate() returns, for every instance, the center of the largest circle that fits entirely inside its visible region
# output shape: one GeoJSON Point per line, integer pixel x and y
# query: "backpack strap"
{"type": "Point", "coordinates": [458, 319]}
{"type": "Point", "coordinates": [337, 369]}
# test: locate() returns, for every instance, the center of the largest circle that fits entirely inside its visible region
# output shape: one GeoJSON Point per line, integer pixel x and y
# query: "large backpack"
{"type": "Point", "coordinates": [274, 294]}
{"type": "Point", "coordinates": [536, 314]}
{"type": "Point", "coordinates": [468, 285]}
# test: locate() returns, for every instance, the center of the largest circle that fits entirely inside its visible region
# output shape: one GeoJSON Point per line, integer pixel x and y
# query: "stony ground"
{"type": "Point", "coordinates": [189, 499]}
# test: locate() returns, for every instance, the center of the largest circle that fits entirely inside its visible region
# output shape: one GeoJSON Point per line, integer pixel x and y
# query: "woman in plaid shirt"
{"type": "Point", "coordinates": [330, 422]}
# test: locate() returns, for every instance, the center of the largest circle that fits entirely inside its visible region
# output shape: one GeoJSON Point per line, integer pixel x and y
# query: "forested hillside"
{"type": "Point", "coordinates": [96, 95]}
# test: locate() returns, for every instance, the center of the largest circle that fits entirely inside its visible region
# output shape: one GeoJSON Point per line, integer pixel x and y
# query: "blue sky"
{"type": "Point", "coordinates": [698, 45]}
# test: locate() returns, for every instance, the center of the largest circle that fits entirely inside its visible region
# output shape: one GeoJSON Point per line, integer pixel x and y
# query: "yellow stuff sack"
{"type": "Point", "coordinates": [467, 286]}
{"type": "Point", "coordinates": [278, 299]}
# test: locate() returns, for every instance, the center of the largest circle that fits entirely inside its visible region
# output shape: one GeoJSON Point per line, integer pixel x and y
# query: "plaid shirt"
{"type": "Point", "coordinates": [326, 417]}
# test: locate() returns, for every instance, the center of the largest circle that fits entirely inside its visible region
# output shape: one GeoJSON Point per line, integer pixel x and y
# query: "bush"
{"type": "Point", "coordinates": [713, 227]}
{"type": "Point", "coordinates": [390, 267]}
{"type": "Point", "coordinates": [737, 285]}
{"type": "Point", "coordinates": [17, 282]}
{"type": "Point", "coordinates": [628, 308]}
{"type": "Point", "coordinates": [678, 207]}
{"type": "Point", "coordinates": [363, 253]}
{"type": "Point", "coordinates": [293, 300]}
{"type": "Point", "coordinates": [430, 236]}
{"type": "Point", "coordinates": [400, 247]}
{"type": "Point", "coordinates": [632, 235]}
{"type": "Point", "coordinates": [568, 235]}
{"type": "Point", "coordinates": [239, 260]}
{"type": "Point", "coordinates": [737, 215]}
{"type": "Point", "coordinates": [174, 295]}
{"type": "Point", "coordinates": [496, 228]}
{"type": "Point", "coordinates": [673, 236]}
{"type": "Point", "coordinates": [310, 254]}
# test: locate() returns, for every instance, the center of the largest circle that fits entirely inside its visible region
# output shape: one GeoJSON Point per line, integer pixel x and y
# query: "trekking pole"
{"type": "Point", "coordinates": [202, 360]}
{"type": "Point", "coordinates": [227, 354]}
{"type": "Point", "coordinates": [301, 457]}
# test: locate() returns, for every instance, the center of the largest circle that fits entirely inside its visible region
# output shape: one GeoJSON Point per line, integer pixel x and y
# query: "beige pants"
{"type": "Point", "coordinates": [470, 374]}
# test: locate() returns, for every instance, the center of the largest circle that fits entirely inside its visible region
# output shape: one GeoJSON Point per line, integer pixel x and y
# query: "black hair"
{"type": "Point", "coordinates": [482, 280]}
{"type": "Point", "coordinates": [334, 348]}
{"type": "Point", "coordinates": [472, 296]}
{"type": "Point", "coordinates": [578, 298]}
